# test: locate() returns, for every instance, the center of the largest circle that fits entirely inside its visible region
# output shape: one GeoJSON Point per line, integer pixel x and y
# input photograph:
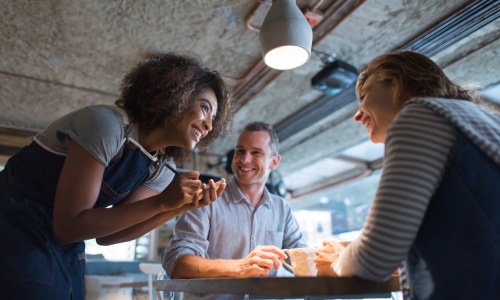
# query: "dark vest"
{"type": "Point", "coordinates": [456, 254]}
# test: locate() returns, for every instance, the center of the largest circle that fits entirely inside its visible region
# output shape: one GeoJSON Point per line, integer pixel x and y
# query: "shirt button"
{"type": "Point", "coordinates": [253, 238]}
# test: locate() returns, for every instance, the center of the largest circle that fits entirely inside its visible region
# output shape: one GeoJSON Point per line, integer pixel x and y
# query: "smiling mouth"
{"type": "Point", "coordinates": [197, 132]}
{"type": "Point", "coordinates": [366, 122]}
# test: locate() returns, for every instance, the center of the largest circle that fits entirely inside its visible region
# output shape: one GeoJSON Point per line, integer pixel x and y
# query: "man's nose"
{"type": "Point", "coordinates": [246, 157]}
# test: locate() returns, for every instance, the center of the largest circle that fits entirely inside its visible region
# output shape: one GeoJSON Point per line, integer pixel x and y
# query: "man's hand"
{"type": "Point", "coordinates": [260, 261]}
{"type": "Point", "coordinates": [326, 255]}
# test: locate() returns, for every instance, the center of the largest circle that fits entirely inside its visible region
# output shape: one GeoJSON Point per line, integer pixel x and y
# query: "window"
{"type": "Point", "coordinates": [337, 213]}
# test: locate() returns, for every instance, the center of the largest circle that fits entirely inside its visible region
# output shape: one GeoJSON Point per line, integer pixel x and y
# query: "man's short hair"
{"type": "Point", "coordinates": [262, 126]}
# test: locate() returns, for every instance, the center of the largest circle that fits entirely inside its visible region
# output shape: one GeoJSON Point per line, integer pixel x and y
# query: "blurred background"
{"type": "Point", "coordinates": [61, 55]}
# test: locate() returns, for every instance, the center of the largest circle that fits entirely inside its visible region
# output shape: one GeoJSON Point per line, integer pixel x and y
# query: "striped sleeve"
{"type": "Point", "coordinates": [416, 149]}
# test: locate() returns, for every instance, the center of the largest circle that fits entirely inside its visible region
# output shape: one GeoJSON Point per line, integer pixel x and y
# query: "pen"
{"type": "Point", "coordinates": [172, 169]}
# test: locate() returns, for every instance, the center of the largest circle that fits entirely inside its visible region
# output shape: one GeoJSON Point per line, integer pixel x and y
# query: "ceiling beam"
{"type": "Point", "coordinates": [13, 139]}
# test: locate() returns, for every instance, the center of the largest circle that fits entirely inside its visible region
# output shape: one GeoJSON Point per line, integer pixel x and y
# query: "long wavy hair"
{"type": "Point", "coordinates": [414, 75]}
{"type": "Point", "coordinates": [159, 91]}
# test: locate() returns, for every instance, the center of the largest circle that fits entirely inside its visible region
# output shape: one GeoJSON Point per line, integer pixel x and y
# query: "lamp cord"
{"type": "Point", "coordinates": [326, 58]}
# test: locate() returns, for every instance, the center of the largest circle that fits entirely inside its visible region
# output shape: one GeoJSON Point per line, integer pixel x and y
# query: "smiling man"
{"type": "Point", "coordinates": [242, 233]}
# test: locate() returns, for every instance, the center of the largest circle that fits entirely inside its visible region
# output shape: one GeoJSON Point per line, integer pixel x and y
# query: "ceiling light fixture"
{"type": "Point", "coordinates": [285, 36]}
{"type": "Point", "coordinates": [335, 75]}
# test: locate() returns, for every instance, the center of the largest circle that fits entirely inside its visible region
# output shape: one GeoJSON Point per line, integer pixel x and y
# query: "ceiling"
{"type": "Point", "coordinates": [61, 55]}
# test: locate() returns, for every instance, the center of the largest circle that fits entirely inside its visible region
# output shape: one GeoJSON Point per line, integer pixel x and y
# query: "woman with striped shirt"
{"type": "Point", "coordinates": [437, 207]}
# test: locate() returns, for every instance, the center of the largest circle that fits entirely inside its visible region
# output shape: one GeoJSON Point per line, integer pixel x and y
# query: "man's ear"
{"type": "Point", "coordinates": [275, 160]}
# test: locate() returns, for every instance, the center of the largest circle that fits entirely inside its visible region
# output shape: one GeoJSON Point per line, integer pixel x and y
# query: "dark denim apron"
{"type": "Point", "coordinates": [456, 254]}
{"type": "Point", "coordinates": [32, 264]}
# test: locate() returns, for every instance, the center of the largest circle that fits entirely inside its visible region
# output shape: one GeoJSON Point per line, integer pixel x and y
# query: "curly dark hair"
{"type": "Point", "coordinates": [159, 91]}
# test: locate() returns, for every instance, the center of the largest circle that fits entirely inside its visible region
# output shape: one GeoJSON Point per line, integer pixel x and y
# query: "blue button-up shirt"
{"type": "Point", "coordinates": [231, 227]}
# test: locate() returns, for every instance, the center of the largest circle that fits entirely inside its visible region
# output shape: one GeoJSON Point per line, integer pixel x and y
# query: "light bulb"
{"type": "Point", "coordinates": [286, 57]}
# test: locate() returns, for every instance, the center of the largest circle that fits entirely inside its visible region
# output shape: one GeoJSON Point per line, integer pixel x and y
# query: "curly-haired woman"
{"type": "Point", "coordinates": [100, 172]}
{"type": "Point", "coordinates": [437, 207]}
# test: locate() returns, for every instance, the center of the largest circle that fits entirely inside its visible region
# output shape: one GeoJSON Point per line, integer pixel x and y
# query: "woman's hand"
{"type": "Point", "coordinates": [183, 189]}
{"type": "Point", "coordinates": [326, 255]}
{"type": "Point", "coordinates": [208, 193]}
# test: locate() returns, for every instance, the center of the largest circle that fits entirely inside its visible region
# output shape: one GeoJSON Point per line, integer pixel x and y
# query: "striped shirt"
{"type": "Point", "coordinates": [417, 147]}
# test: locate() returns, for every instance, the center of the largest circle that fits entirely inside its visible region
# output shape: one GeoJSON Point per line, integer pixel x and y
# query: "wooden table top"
{"type": "Point", "coordinates": [283, 287]}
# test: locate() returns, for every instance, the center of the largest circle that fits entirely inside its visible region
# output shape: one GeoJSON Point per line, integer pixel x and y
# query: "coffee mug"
{"type": "Point", "coordinates": [302, 261]}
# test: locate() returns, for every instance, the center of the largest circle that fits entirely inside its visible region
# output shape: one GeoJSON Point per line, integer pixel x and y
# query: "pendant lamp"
{"type": "Point", "coordinates": [285, 36]}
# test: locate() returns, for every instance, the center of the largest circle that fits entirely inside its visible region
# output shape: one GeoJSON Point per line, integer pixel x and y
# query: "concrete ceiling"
{"type": "Point", "coordinates": [61, 55]}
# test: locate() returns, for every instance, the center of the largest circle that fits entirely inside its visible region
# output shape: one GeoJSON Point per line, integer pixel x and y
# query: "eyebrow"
{"type": "Point", "coordinates": [364, 88]}
{"type": "Point", "coordinates": [253, 149]}
{"type": "Point", "coordinates": [362, 93]}
{"type": "Point", "coordinates": [214, 113]}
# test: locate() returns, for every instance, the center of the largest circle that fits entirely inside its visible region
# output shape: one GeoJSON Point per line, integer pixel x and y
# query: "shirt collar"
{"type": "Point", "coordinates": [236, 195]}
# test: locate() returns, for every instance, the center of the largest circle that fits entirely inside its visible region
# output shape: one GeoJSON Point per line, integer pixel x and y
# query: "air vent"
{"type": "Point", "coordinates": [465, 21]}
{"type": "Point", "coordinates": [314, 112]}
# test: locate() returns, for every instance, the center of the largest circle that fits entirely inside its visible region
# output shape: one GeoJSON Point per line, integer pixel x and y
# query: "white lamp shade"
{"type": "Point", "coordinates": [285, 36]}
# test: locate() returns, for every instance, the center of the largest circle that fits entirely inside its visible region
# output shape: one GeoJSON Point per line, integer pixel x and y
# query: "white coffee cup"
{"type": "Point", "coordinates": [302, 260]}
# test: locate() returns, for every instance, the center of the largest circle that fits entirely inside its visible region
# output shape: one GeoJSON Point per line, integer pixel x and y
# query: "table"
{"type": "Point", "coordinates": [285, 287]}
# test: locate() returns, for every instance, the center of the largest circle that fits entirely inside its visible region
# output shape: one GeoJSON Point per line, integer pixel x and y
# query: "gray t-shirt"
{"type": "Point", "coordinates": [102, 130]}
